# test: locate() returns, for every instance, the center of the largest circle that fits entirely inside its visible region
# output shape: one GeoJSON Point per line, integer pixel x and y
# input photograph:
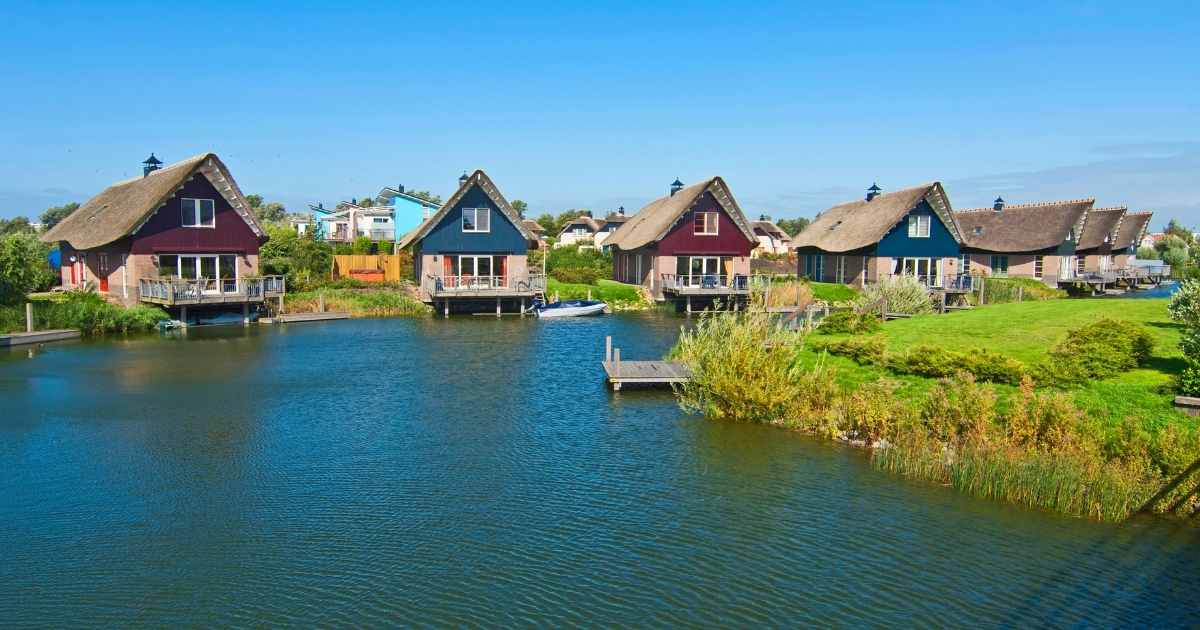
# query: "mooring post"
{"type": "Point", "coordinates": [446, 307]}
{"type": "Point", "coordinates": [616, 363]}
{"type": "Point", "coordinates": [281, 304]}
{"type": "Point", "coordinates": [522, 307]}
{"type": "Point", "coordinates": [497, 306]}
{"type": "Point", "coordinates": [245, 313]}
{"type": "Point", "coordinates": [608, 348]}
{"type": "Point", "coordinates": [556, 295]}
{"type": "Point", "coordinates": [183, 315]}
{"type": "Point", "coordinates": [689, 305]}
{"type": "Point", "coordinates": [589, 295]}
{"type": "Point", "coordinates": [29, 317]}
{"type": "Point", "coordinates": [321, 302]}
{"type": "Point", "coordinates": [981, 287]}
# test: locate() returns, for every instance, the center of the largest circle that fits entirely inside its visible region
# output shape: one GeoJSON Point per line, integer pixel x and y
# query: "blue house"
{"type": "Point", "coordinates": [408, 211]}
{"type": "Point", "coordinates": [471, 255]}
{"type": "Point", "coordinates": [911, 232]}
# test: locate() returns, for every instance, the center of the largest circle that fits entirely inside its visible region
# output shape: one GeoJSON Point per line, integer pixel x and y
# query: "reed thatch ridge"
{"type": "Point", "coordinates": [1025, 227]}
{"type": "Point", "coordinates": [121, 209]}
{"type": "Point", "coordinates": [1132, 227]}
{"type": "Point", "coordinates": [862, 223]}
{"type": "Point", "coordinates": [1101, 227]}
{"type": "Point", "coordinates": [652, 222]}
{"type": "Point", "coordinates": [485, 183]}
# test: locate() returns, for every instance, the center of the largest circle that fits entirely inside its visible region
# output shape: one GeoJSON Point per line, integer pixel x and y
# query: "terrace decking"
{"type": "Point", "coordinates": [205, 292]}
{"type": "Point", "coordinates": [438, 287]}
{"type": "Point", "coordinates": [705, 284]}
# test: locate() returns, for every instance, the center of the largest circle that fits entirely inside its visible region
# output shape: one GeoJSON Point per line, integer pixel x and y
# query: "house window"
{"type": "Point", "coordinates": [579, 232]}
{"type": "Point", "coordinates": [192, 267]}
{"type": "Point", "coordinates": [704, 271]}
{"type": "Point", "coordinates": [477, 220]}
{"type": "Point", "coordinates": [380, 220]}
{"type": "Point", "coordinates": [1080, 261]}
{"type": "Point", "coordinates": [625, 266]}
{"type": "Point", "coordinates": [1037, 266]}
{"type": "Point", "coordinates": [964, 263]}
{"type": "Point", "coordinates": [840, 271]}
{"type": "Point", "coordinates": [706, 223]}
{"type": "Point", "coordinates": [999, 266]}
{"type": "Point", "coordinates": [198, 213]}
{"type": "Point", "coordinates": [819, 269]}
{"type": "Point", "coordinates": [928, 270]}
{"type": "Point", "coordinates": [475, 272]}
{"type": "Point", "coordinates": [918, 226]}
{"type": "Point", "coordinates": [637, 261]}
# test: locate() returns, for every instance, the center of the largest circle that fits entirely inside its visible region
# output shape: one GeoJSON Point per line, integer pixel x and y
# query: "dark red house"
{"type": "Point", "coordinates": [178, 236]}
{"type": "Point", "coordinates": [695, 241]}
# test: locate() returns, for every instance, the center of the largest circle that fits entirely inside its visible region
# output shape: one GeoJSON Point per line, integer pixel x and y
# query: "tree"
{"type": "Point", "coordinates": [520, 207]}
{"type": "Point", "coordinates": [424, 195]}
{"type": "Point", "coordinates": [1176, 256]}
{"type": "Point", "coordinates": [55, 215]}
{"type": "Point", "coordinates": [793, 226]}
{"type": "Point", "coordinates": [547, 223]}
{"type": "Point", "coordinates": [254, 201]}
{"type": "Point", "coordinates": [367, 202]}
{"type": "Point", "coordinates": [271, 212]}
{"type": "Point", "coordinates": [1170, 241]}
{"type": "Point", "coordinates": [23, 266]}
{"type": "Point", "coordinates": [554, 226]}
{"type": "Point", "coordinates": [362, 245]}
{"type": "Point", "coordinates": [1147, 253]}
{"type": "Point", "coordinates": [1175, 228]}
{"type": "Point", "coordinates": [16, 225]}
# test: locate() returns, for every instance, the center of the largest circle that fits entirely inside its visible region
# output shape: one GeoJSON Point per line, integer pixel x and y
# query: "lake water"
{"type": "Point", "coordinates": [476, 472]}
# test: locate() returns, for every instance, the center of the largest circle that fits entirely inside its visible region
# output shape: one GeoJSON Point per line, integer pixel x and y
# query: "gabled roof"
{"type": "Point", "coordinates": [1026, 227]}
{"type": "Point", "coordinates": [593, 224]}
{"type": "Point", "coordinates": [387, 193]}
{"type": "Point", "coordinates": [1133, 226]}
{"type": "Point", "coordinates": [1101, 226]}
{"type": "Point", "coordinates": [861, 223]}
{"type": "Point", "coordinates": [770, 228]}
{"type": "Point", "coordinates": [533, 226]}
{"type": "Point", "coordinates": [478, 178]}
{"type": "Point", "coordinates": [123, 208]}
{"type": "Point", "coordinates": [652, 222]}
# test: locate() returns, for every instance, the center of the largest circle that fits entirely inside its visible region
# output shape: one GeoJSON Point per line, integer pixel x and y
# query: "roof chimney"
{"type": "Point", "coordinates": [762, 217]}
{"type": "Point", "coordinates": [998, 205]}
{"type": "Point", "coordinates": [150, 165]}
{"type": "Point", "coordinates": [401, 188]}
{"type": "Point", "coordinates": [621, 211]}
{"type": "Point", "coordinates": [873, 192]}
{"type": "Point", "coordinates": [462, 180]}
{"type": "Point", "coordinates": [676, 186]}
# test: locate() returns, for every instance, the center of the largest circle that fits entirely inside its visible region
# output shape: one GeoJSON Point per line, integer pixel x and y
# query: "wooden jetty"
{"type": "Point", "coordinates": [38, 336]}
{"type": "Point", "coordinates": [289, 318]}
{"type": "Point", "coordinates": [619, 372]}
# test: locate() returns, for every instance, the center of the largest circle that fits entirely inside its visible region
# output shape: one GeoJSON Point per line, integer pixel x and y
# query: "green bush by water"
{"type": "Point", "coordinates": [86, 312]}
{"type": "Point", "coordinates": [847, 321]}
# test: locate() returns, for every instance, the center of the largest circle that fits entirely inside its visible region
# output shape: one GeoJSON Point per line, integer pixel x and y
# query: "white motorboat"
{"type": "Point", "coordinates": [570, 308]}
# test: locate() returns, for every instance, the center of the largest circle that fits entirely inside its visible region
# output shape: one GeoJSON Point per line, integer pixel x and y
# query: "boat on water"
{"type": "Point", "coordinates": [569, 308]}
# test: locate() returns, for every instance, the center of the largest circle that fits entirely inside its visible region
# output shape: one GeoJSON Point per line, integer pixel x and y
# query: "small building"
{"type": "Point", "coordinates": [177, 236]}
{"type": "Point", "coordinates": [472, 254]}
{"type": "Point", "coordinates": [374, 222]}
{"type": "Point", "coordinates": [694, 242]}
{"type": "Point", "coordinates": [1130, 235]}
{"type": "Point", "coordinates": [538, 232]}
{"type": "Point", "coordinates": [771, 239]}
{"type": "Point", "coordinates": [910, 232]}
{"type": "Point", "coordinates": [1037, 240]}
{"type": "Point", "coordinates": [589, 229]}
{"type": "Point", "coordinates": [408, 211]}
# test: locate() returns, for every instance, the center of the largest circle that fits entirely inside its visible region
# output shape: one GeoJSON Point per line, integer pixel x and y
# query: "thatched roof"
{"type": "Point", "coordinates": [121, 209]}
{"type": "Point", "coordinates": [593, 224]}
{"type": "Point", "coordinates": [652, 222]}
{"type": "Point", "coordinates": [1132, 227]}
{"type": "Point", "coordinates": [861, 223]}
{"type": "Point", "coordinates": [534, 227]}
{"type": "Point", "coordinates": [1024, 228]}
{"type": "Point", "coordinates": [478, 178]}
{"type": "Point", "coordinates": [1101, 227]}
{"type": "Point", "coordinates": [771, 229]}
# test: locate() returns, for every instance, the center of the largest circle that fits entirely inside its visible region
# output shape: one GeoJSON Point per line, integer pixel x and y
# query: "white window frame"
{"type": "Point", "coordinates": [637, 264]}
{"type": "Point", "coordinates": [819, 267]}
{"type": "Point", "coordinates": [914, 266]}
{"type": "Point", "coordinates": [1038, 266]}
{"type": "Point", "coordinates": [918, 225]}
{"type": "Point", "coordinates": [1000, 265]}
{"type": "Point", "coordinates": [475, 213]}
{"type": "Point", "coordinates": [711, 223]}
{"type": "Point", "coordinates": [964, 264]}
{"type": "Point", "coordinates": [195, 214]}
{"type": "Point", "coordinates": [839, 274]}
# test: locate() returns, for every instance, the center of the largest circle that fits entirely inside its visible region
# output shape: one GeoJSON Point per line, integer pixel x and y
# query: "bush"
{"type": "Point", "coordinates": [938, 362]}
{"type": "Point", "coordinates": [869, 351]}
{"type": "Point", "coordinates": [1096, 351]}
{"type": "Point", "coordinates": [905, 294]}
{"type": "Point", "coordinates": [1006, 290]}
{"type": "Point", "coordinates": [86, 312]}
{"type": "Point", "coordinates": [577, 275]}
{"type": "Point", "coordinates": [1147, 253]}
{"type": "Point", "coordinates": [847, 321]}
{"type": "Point", "coordinates": [362, 245]}
{"type": "Point", "coordinates": [23, 267]}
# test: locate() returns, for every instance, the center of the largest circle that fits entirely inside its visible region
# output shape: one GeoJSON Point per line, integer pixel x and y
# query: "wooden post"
{"type": "Point", "coordinates": [246, 313]}
{"type": "Point", "coordinates": [608, 348]}
{"type": "Point", "coordinates": [981, 287]}
{"type": "Point", "coordinates": [446, 307]}
{"type": "Point", "coordinates": [616, 363]}
{"type": "Point", "coordinates": [280, 303]}
{"type": "Point", "coordinates": [1020, 292]}
{"type": "Point", "coordinates": [589, 295]}
{"type": "Point", "coordinates": [556, 295]}
{"type": "Point", "coordinates": [183, 315]}
{"type": "Point", "coordinates": [689, 305]}
{"type": "Point", "coordinates": [497, 306]}
{"type": "Point", "coordinates": [321, 302]}
{"type": "Point", "coordinates": [29, 317]}
{"type": "Point", "coordinates": [522, 307]}
{"type": "Point", "coordinates": [884, 318]}
{"type": "Point", "coordinates": [943, 310]}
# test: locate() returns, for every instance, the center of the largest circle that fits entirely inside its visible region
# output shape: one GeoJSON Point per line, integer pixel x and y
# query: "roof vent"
{"type": "Point", "coordinates": [873, 192]}
{"type": "Point", "coordinates": [150, 165]}
{"type": "Point", "coordinates": [998, 205]}
{"type": "Point", "coordinates": [676, 186]}
{"type": "Point", "coordinates": [834, 226]}
{"type": "Point", "coordinates": [977, 229]}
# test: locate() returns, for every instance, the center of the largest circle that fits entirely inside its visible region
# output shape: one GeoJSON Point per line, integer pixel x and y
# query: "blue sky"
{"type": "Point", "coordinates": [595, 105]}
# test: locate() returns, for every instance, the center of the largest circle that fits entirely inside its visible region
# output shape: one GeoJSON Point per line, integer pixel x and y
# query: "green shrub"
{"type": "Point", "coordinates": [87, 312]}
{"type": "Point", "coordinates": [1005, 290]}
{"type": "Point", "coordinates": [938, 362]}
{"type": "Point", "coordinates": [868, 351]}
{"type": "Point", "coordinates": [1188, 381]}
{"type": "Point", "coordinates": [905, 294]}
{"type": "Point", "coordinates": [847, 321]}
{"type": "Point", "coordinates": [577, 275]}
{"type": "Point", "coordinates": [1096, 351]}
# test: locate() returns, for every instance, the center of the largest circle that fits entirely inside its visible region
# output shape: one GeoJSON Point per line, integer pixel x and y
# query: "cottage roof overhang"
{"type": "Point", "coordinates": [861, 223]}
{"type": "Point", "coordinates": [1133, 227]}
{"type": "Point", "coordinates": [1026, 227]}
{"type": "Point", "coordinates": [1101, 226]}
{"type": "Point", "coordinates": [123, 208]}
{"type": "Point", "coordinates": [478, 178]}
{"type": "Point", "coordinates": [652, 223]}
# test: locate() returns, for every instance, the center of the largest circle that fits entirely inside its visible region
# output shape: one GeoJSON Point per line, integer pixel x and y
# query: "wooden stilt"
{"type": "Point", "coordinates": [689, 305]}
{"type": "Point", "coordinates": [321, 302]}
{"type": "Point", "coordinates": [183, 315]}
{"type": "Point", "coordinates": [446, 307]}
{"type": "Point", "coordinates": [497, 307]}
{"type": "Point", "coordinates": [246, 313]}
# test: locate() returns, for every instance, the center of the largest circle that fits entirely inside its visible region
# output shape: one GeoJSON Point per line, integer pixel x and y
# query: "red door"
{"type": "Point", "coordinates": [102, 271]}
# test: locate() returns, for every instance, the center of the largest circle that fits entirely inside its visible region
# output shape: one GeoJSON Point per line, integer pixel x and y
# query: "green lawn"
{"type": "Point", "coordinates": [606, 291]}
{"type": "Point", "coordinates": [1026, 331]}
{"type": "Point", "coordinates": [831, 292]}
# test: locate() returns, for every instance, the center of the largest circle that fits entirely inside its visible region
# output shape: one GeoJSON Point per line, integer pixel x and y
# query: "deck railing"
{"type": "Point", "coordinates": [705, 282]}
{"type": "Point", "coordinates": [466, 285]}
{"type": "Point", "coordinates": [221, 289]}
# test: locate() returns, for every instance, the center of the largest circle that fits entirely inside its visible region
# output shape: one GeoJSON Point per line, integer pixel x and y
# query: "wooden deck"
{"type": "Point", "coordinates": [37, 336]}
{"type": "Point", "coordinates": [619, 372]}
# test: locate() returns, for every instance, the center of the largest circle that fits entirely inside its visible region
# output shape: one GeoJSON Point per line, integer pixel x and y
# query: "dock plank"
{"type": "Point", "coordinates": [38, 336]}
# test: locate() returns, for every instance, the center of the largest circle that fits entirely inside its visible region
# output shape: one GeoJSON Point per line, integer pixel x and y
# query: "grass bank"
{"type": "Point", "coordinates": [359, 303]}
{"type": "Point", "coordinates": [86, 312]}
{"type": "Point", "coordinates": [1100, 450]}
{"type": "Point", "coordinates": [618, 295]}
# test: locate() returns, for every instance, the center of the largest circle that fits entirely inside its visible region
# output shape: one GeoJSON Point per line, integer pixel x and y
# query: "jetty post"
{"type": "Point", "coordinates": [608, 348]}
{"type": "Point", "coordinates": [29, 317]}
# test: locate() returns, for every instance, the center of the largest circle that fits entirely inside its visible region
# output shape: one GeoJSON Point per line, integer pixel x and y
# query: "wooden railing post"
{"type": "Point", "coordinates": [616, 363]}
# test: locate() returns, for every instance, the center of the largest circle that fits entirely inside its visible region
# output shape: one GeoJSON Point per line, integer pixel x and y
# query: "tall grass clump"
{"type": "Point", "coordinates": [1005, 290]}
{"type": "Point", "coordinates": [358, 304]}
{"type": "Point", "coordinates": [745, 367]}
{"type": "Point", "coordinates": [905, 294]}
{"type": "Point", "coordinates": [88, 313]}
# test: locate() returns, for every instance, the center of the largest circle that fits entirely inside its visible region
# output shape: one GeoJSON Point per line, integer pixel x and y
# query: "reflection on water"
{"type": "Point", "coordinates": [475, 471]}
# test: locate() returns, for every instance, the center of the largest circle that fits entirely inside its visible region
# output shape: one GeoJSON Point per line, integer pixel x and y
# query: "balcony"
{"type": "Point", "coordinates": [705, 284]}
{"type": "Point", "coordinates": [206, 291]}
{"type": "Point", "coordinates": [485, 286]}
